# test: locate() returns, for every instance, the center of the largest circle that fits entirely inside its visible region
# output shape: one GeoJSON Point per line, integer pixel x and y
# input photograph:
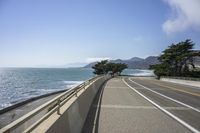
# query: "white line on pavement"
{"type": "Point", "coordinates": [186, 105]}
{"type": "Point", "coordinates": [117, 87]}
{"type": "Point", "coordinates": [164, 110]}
{"type": "Point", "coordinates": [126, 107]}
{"type": "Point", "coordinates": [137, 107]}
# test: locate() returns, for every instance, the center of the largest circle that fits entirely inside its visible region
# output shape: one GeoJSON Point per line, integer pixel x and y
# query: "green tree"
{"type": "Point", "coordinates": [100, 67]}
{"type": "Point", "coordinates": [160, 70]}
{"type": "Point", "coordinates": [177, 60]}
{"type": "Point", "coordinates": [103, 67]}
{"type": "Point", "coordinates": [116, 68]}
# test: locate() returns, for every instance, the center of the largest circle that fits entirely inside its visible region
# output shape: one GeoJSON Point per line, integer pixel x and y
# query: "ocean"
{"type": "Point", "coordinates": [19, 84]}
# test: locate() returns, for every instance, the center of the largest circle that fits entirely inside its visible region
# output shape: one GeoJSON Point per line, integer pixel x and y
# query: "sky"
{"type": "Point", "coordinates": [56, 33]}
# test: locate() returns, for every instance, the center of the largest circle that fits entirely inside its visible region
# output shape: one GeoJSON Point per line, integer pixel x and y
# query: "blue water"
{"type": "Point", "coordinates": [18, 84]}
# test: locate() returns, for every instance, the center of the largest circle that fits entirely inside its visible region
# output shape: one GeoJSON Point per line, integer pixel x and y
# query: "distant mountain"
{"type": "Point", "coordinates": [90, 65]}
{"type": "Point", "coordinates": [136, 59]}
{"type": "Point", "coordinates": [134, 63]}
{"type": "Point", "coordinates": [140, 63]}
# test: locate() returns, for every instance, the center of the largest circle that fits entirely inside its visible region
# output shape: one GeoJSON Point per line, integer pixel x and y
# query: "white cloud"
{"type": "Point", "coordinates": [97, 59]}
{"type": "Point", "coordinates": [185, 15]}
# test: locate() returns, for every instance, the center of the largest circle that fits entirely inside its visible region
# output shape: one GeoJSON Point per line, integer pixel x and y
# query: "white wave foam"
{"type": "Point", "coordinates": [70, 84]}
{"type": "Point", "coordinates": [143, 73]}
{"type": "Point", "coordinates": [73, 82]}
{"type": "Point", "coordinates": [4, 105]}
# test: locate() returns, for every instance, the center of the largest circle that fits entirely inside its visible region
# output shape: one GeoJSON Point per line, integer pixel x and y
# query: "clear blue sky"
{"type": "Point", "coordinates": [58, 32]}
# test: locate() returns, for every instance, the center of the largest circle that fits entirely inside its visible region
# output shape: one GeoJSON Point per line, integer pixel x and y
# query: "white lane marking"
{"type": "Point", "coordinates": [186, 105]}
{"type": "Point", "coordinates": [137, 107]}
{"type": "Point", "coordinates": [176, 108]}
{"type": "Point", "coordinates": [125, 107]}
{"type": "Point", "coordinates": [117, 87]}
{"type": "Point", "coordinates": [164, 110]}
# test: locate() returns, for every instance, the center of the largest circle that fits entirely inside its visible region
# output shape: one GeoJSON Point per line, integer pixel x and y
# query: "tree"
{"type": "Point", "coordinates": [160, 70]}
{"type": "Point", "coordinates": [116, 68]}
{"type": "Point", "coordinates": [177, 60]}
{"type": "Point", "coordinates": [103, 67]}
{"type": "Point", "coordinates": [100, 67]}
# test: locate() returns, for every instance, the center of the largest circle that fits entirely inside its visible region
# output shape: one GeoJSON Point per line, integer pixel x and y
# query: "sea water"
{"type": "Point", "coordinates": [19, 84]}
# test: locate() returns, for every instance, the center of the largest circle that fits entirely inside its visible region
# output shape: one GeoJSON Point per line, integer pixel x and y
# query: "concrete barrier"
{"type": "Point", "coordinates": [73, 113]}
{"type": "Point", "coordinates": [184, 82]}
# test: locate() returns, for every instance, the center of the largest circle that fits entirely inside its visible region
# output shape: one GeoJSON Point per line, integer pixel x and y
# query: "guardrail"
{"type": "Point", "coordinates": [183, 78]}
{"type": "Point", "coordinates": [51, 107]}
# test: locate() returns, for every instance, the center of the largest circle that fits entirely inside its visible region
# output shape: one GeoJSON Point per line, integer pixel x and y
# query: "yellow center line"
{"type": "Point", "coordinates": [177, 89]}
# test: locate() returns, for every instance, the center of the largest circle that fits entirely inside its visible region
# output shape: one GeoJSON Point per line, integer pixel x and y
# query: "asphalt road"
{"type": "Point", "coordinates": [184, 99]}
{"type": "Point", "coordinates": [125, 106]}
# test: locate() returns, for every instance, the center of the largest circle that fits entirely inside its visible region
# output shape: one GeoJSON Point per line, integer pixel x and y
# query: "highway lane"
{"type": "Point", "coordinates": [186, 94]}
{"type": "Point", "coordinates": [119, 109]}
{"type": "Point", "coordinates": [183, 101]}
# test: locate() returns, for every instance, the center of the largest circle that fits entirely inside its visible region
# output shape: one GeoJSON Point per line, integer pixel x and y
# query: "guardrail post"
{"type": "Point", "coordinates": [58, 110]}
{"type": "Point", "coordinates": [76, 93]}
{"type": "Point", "coordinates": [84, 85]}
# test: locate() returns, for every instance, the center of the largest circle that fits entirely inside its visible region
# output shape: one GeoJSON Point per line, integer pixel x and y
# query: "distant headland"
{"type": "Point", "coordinates": [139, 63]}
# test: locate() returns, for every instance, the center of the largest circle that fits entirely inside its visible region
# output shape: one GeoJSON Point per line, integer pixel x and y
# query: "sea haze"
{"type": "Point", "coordinates": [19, 84]}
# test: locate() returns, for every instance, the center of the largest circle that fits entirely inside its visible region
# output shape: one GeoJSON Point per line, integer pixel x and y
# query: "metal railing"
{"type": "Point", "coordinates": [51, 106]}
{"type": "Point", "coordinates": [182, 78]}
